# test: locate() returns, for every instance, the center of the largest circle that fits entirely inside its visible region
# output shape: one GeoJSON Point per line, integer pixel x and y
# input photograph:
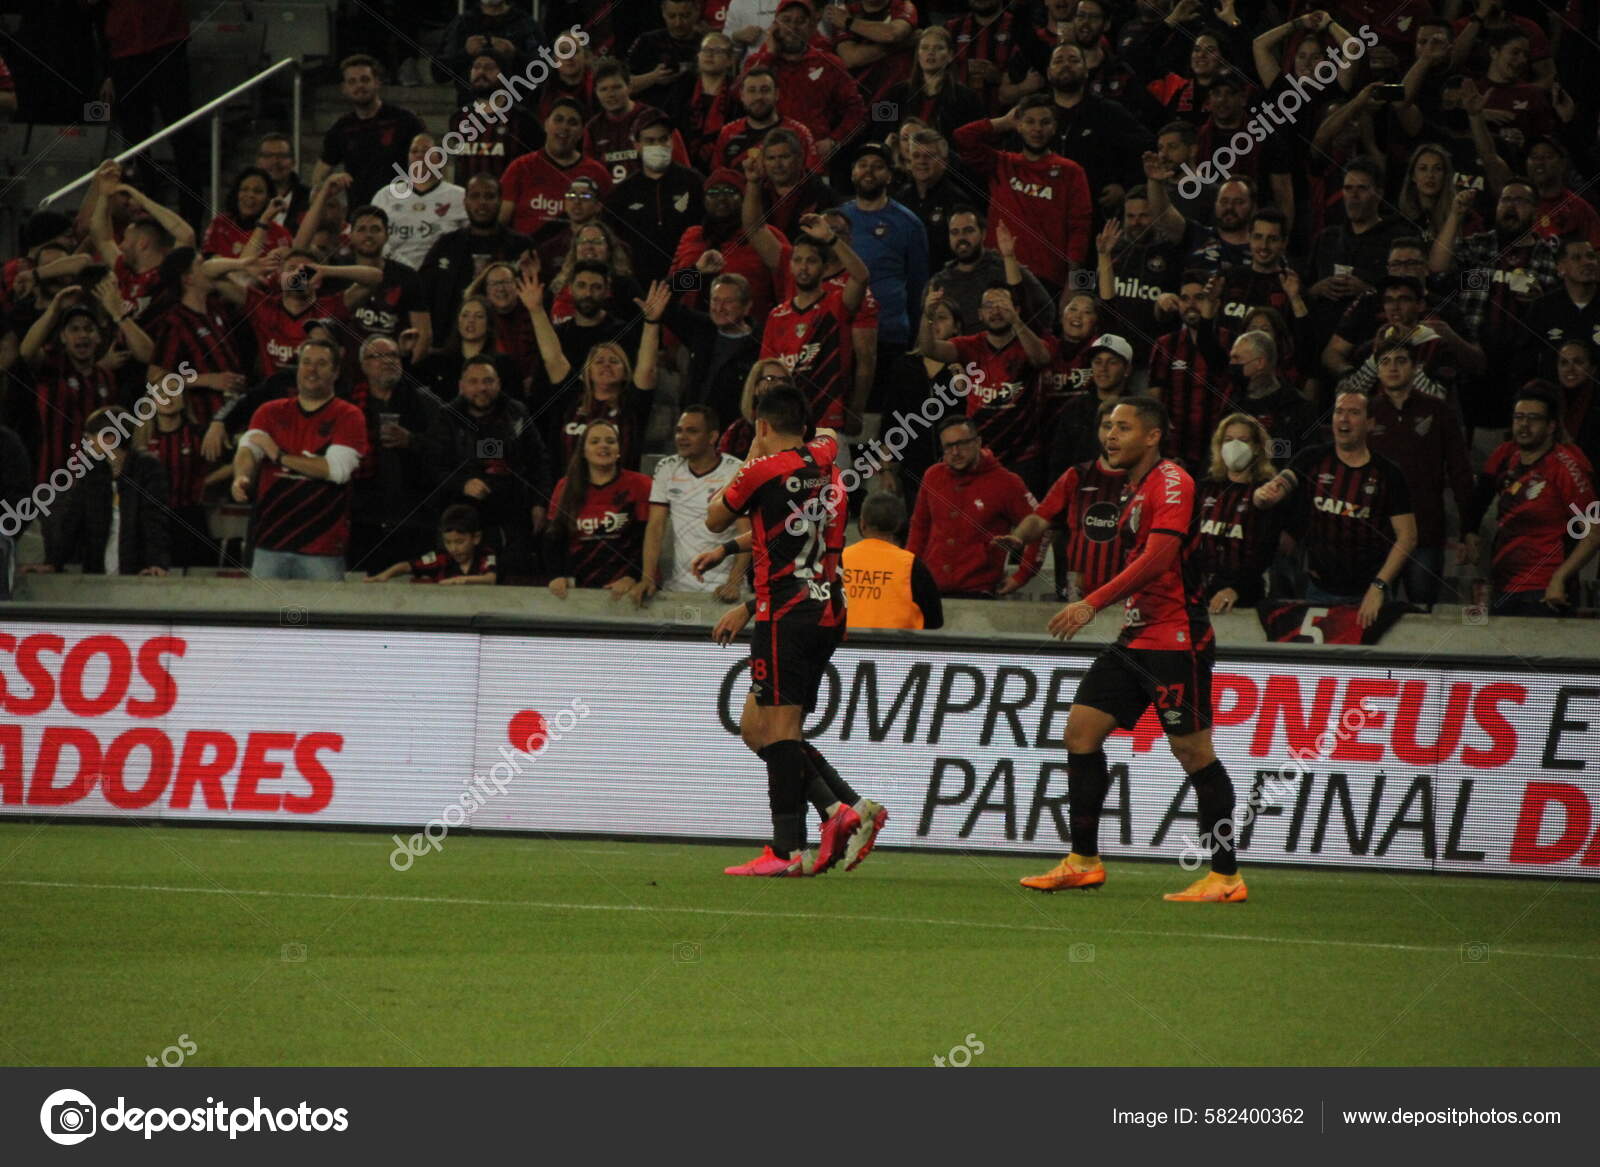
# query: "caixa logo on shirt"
{"type": "Point", "coordinates": [608, 523]}
{"type": "Point", "coordinates": [1033, 190]}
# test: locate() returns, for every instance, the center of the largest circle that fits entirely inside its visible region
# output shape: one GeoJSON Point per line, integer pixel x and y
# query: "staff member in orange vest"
{"type": "Point", "coordinates": [886, 586]}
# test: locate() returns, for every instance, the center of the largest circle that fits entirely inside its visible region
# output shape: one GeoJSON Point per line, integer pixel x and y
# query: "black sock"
{"type": "Point", "coordinates": [1213, 791]}
{"type": "Point", "coordinates": [786, 792]}
{"type": "Point", "coordinates": [823, 769]}
{"type": "Point", "coordinates": [1087, 785]}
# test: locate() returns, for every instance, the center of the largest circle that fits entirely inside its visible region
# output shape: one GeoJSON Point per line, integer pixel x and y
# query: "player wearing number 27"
{"type": "Point", "coordinates": [798, 511]}
{"type": "Point", "coordinates": [1164, 656]}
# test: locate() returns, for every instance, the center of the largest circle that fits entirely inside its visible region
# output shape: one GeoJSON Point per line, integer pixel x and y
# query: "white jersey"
{"type": "Point", "coordinates": [687, 497]}
{"type": "Point", "coordinates": [419, 219]}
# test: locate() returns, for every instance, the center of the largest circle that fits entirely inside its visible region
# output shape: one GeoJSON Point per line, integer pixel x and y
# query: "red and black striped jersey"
{"type": "Point", "coordinates": [797, 513]}
{"type": "Point", "coordinates": [1085, 503]}
{"type": "Point", "coordinates": [179, 453]}
{"type": "Point", "coordinates": [135, 287]}
{"type": "Point", "coordinates": [436, 565]}
{"type": "Point", "coordinates": [606, 540]}
{"type": "Point", "coordinates": [307, 516]}
{"type": "Point", "coordinates": [1166, 611]}
{"type": "Point", "coordinates": [814, 344]}
{"type": "Point", "coordinates": [64, 398]}
{"type": "Point", "coordinates": [1236, 539]}
{"type": "Point", "coordinates": [205, 341]}
{"type": "Point", "coordinates": [1004, 402]}
{"type": "Point", "coordinates": [1345, 514]}
{"type": "Point", "coordinates": [630, 413]}
{"type": "Point", "coordinates": [1190, 375]}
{"type": "Point", "coordinates": [996, 42]}
{"type": "Point", "coordinates": [280, 332]}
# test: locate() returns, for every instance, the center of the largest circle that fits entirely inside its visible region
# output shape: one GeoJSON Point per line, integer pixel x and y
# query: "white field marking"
{"type": "Point", "coordinates": [540, 905]}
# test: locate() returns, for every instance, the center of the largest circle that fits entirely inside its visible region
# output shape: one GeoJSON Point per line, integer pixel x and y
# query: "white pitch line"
{"type": "Point", "coordinates": [541, 905]}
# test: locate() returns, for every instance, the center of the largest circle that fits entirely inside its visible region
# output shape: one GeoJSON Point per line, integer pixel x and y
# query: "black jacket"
{"type": "Point", "coordinates": [651, 215]}
{"type": "Point", "coordinates": [503, 448]}
{"type": "Point", "coordinates": [80, 522]}
{"type": "Point", "coordinates": [449, 268]}
{"type": "Point", "coordinates": [393, 484]}
{"type": "Point", "coordinates": [699, 335]}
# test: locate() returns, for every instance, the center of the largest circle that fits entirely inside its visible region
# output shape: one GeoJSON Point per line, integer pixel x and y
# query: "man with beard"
{"type": "Point", "coordinates": [307, 448]}
{"type": "Point", "coordinates": [1539, 484]}
{"type": "Point", "coordinates": [1137, 266]}
{"type": "Point", "coordinates": [788, 189]}
{"type": "Point", "coordinates": [397, 304]}
{"type": "Point", "coordinates": [719, 244]}
{"type": "Point", "coordinates": [758, 93]}
{"type": "Point", "coordinates": [1569, 312]}
{"type": "Point", "coordinates": [580, 206]}
{"type": "Point", "coordinates": [1355, 520]}
{"type": "Point", "coordinates": [651, 210]}
{"type": "Point", "coordinates": [1562, 212]}
{"type": "Point", "coordinates": [611, 135]}
{"type": "Point", "coordinates": [1502, 271]}
{"type": "Point", "coordinates": [892, 243]}
{"type": "Point", "coordinates": [1422, 435]}
{"type": "Point", "coordinates": [490, 139]}
{"type": "Point", "coordinates": [810, 332]}
{"type": "Point", "coordinates": [1348, 258]}
{"type": "Point", "coordinates": [931, 193]}
{"type": "Point", "coordinates": [1227, 243]}
{"type": "Point", "coordinates": [662, 55]}
{"type": "Point", "coordinates": [1260, 391]}
{"type": "Point", "coordinates": [421, 211]}
{"type": "Point", "coordinates": [1097, 133]}
{"type": "Point", "coordinates": [1004, 403]}
{"type": "Point", "coordinates": [487, 453]}
{"type": "Point", "coordinates": [457, 257]}
{"type": "Point", "coordinates": [591, 324]}
{"type": "Point", "coordinates": [1258, 282]}
{"type": "Point", "coordinates": [390, 518]}
{"type": "Point", "coordinates": [372, 139]}
{"type": "Point", "coordinates": [974, 269]}
{"type": "Point", "coordinates": [533, 185]}
{"type": "Point", "coordinates": [681, 491]}
{"type": "Point", "coordinates": [815, 88]}
{"type": "Point", "coordinates": [1439, 354]}
{"type": "Point", "coordinates": [1188, 372]}
{"type": "Point", "coordinates": [1041, 196]}
{"type": "Point", "coordinates": [1174, 203]}
{"type": "Point", "coordinates": [1268, 165]}
{"type": "Point", "coordinates": [275, 155]}
{"type": "Point", "coordinates": [988, 39]}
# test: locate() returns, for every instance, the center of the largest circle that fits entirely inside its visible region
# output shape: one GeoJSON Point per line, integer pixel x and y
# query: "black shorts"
{"type": "Point", "coordinates": [1125, 681]}
{"type": "Point", "coordinates": [788, 661]}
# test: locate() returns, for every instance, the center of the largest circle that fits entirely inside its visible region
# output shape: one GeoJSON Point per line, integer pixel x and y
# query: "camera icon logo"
{"type": "Point", "coordinates": [1281, 448]}
{"type": "Point", "coordinates": [885, 111]}
{"type": "Point", "coordinates": [491, 448]}
{"type": "Point", "coordinates": [293, 953]}
{"type": "Point", "coordinates": [1475, 614]}
{"type": "Point", "coordinates": [686, 614]}
{"type": "Point", "coordinates": [68, 1117]}
{"type": "Point", "coordinates": [1080, 953]}
{"type": "Point", "coordinates": [1475, 280]}
{"type": "Point", "coordinates": [96, 111]}
{"type": "Point", "coordinates": [686, 952]}
{"type": "Point", "coordinates": [293, 617]}
{"type": "Point", "coordinates": [1081, 280]}
{"type": "Point", "coordinates": [1474, 952]}
{"type": "Point", "coordinates": [686, 280]}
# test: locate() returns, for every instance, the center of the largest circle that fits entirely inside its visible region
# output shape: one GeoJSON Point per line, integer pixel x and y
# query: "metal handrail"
{"type": "Point", "coordinates": [288, 63]}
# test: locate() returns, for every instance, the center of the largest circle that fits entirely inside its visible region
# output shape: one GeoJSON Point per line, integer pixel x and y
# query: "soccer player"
{"type": "Point", "coordinates": [1164, 655]}
{"type": "Point", "coordinates": [810, 332]}
{"type": "Point", "coordinates": [797, 511]}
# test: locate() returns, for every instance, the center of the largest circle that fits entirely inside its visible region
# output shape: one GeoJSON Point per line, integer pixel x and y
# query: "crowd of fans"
{"type": "Point", "coordinates": [1368, 297]}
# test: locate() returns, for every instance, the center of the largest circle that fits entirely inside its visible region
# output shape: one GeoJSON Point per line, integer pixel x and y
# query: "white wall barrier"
{"type": "Point", "coordinates": [1453, 767]}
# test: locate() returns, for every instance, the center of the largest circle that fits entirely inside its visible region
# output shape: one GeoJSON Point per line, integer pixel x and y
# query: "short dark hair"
{"type": "Point", "coordinates": [1501, 37]}
{"type": "Point", "coordinates": [968, 209]}
{"type": "Point", "coordinates": [461, 518]}
{"type": "Point", "coordinates": [1184, 130]}
{"type": "Point", "coordinates": [883, 512]}
{"type": "Point", "coordinates": [1542, 391]}
{"type": "Point", "coordinates": [480, 359]}
{"type": "Point", "coordinates": [568, 102]}
{"type": "Point", "coordinates": [368, 211]}
{"type": "Point", "coordinates": [334, 352]}
{"type": "Point", "coordinates": [1408, 243]}
{"type": "Point", "coordinates": [361, 60]}
{"type": "Point", "coordinates": [784, 408]}
{"type": "Point", "coordinates": [958, 420]}
{"type": "Point", "coordinates": [610, 67]}
{"type": "Point", "coordinates": [1194, 275]}
{"type": "Point", "coordinates": [779, 136]}
{"type": "Point", "coordinates": [1390, 344]}
{"type": "Point", "coordinates": [1567, 244]}
{"type": "Point", "coordinates": [594, 267]}
{"type": "Point", "coordinates": [759, 71]}
{"type": "Point", "coordinates": [157, 234]}
{"type": "Point", "coordinates": [713, 422]}
{"type": "Point", "coordinates": [1150, 410]}
{"type": "Point", "coordinates": [824, 252]}
{"type": "Point", "coordinates": [1271, 215]}
{"type": "Point", "coordinates": [1362, 164]}
{"type": "Point", "coordinates": [1037, 101]}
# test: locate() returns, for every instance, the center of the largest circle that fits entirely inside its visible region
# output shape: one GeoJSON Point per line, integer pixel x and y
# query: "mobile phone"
{"type": "Point", "coordinates": [1388, 94]}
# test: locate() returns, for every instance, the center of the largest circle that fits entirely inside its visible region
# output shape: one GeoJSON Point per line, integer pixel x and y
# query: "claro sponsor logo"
{"type": "Point", "coordinates": [1376, 787]}
{"type": "Point", "coordinates": [140, 766]}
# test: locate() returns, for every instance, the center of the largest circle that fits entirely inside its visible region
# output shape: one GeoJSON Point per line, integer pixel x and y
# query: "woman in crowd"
{"type": "Point", "coordinates": [248, 209]}
{"type": "Point", "coordinates": [598, 242]}
{"type": "Point", "coordinates": [737, 434]}
{"type": "Point", "coordinates": [1428, 190]}
{"type": "Point", "coordinates": [932, 95]}
{"type": "Point", "coordinates": [596, 535]}
{"type": "Point", "coordinates": [612, 390]}
{"type": "Point", "coordinates": [474, 333]}
{"type": "Point", "coordinates": [1236, 539]}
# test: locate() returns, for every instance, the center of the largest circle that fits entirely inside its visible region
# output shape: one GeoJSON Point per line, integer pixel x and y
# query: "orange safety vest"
{"type": "Point", "coordinates": [877, 586]}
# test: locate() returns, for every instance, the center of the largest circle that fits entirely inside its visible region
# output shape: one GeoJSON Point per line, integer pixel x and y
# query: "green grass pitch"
{"type": "Point", "coordinates": [269, 947]}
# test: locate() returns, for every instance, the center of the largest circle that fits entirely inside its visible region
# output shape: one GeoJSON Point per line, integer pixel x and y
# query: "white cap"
{"type": "Point", "coordinates": [1112, 343]}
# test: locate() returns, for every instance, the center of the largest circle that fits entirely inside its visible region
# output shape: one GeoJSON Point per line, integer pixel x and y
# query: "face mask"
{"type": "Point", "coordinates": [655, 157]}
{"type": "Point", "coordinates": [1237, 455]}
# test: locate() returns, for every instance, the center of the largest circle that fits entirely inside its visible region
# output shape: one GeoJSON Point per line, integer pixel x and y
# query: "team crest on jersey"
{"type": "Point", "coordinates": [1424, 424]}
{"type": "Point", "coordinates": [1133, 516]}
{"type": "Point", "coordinates": [1535, 489]}
{"type": "Point", "coordinates": [1155, 263]}
{"type": "Point", "coordinates": [815, 74]}
{"type": "Point", "coordinates": [441, 209]}
{"type": "Point", "coordinates": [1370, 488]}
{"type": "Point", "coordinates": [681, 203]}
{"type": "Point", "coordinates": [880, 230]}
{"type": "Point", "coordinates": [801, 328]}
